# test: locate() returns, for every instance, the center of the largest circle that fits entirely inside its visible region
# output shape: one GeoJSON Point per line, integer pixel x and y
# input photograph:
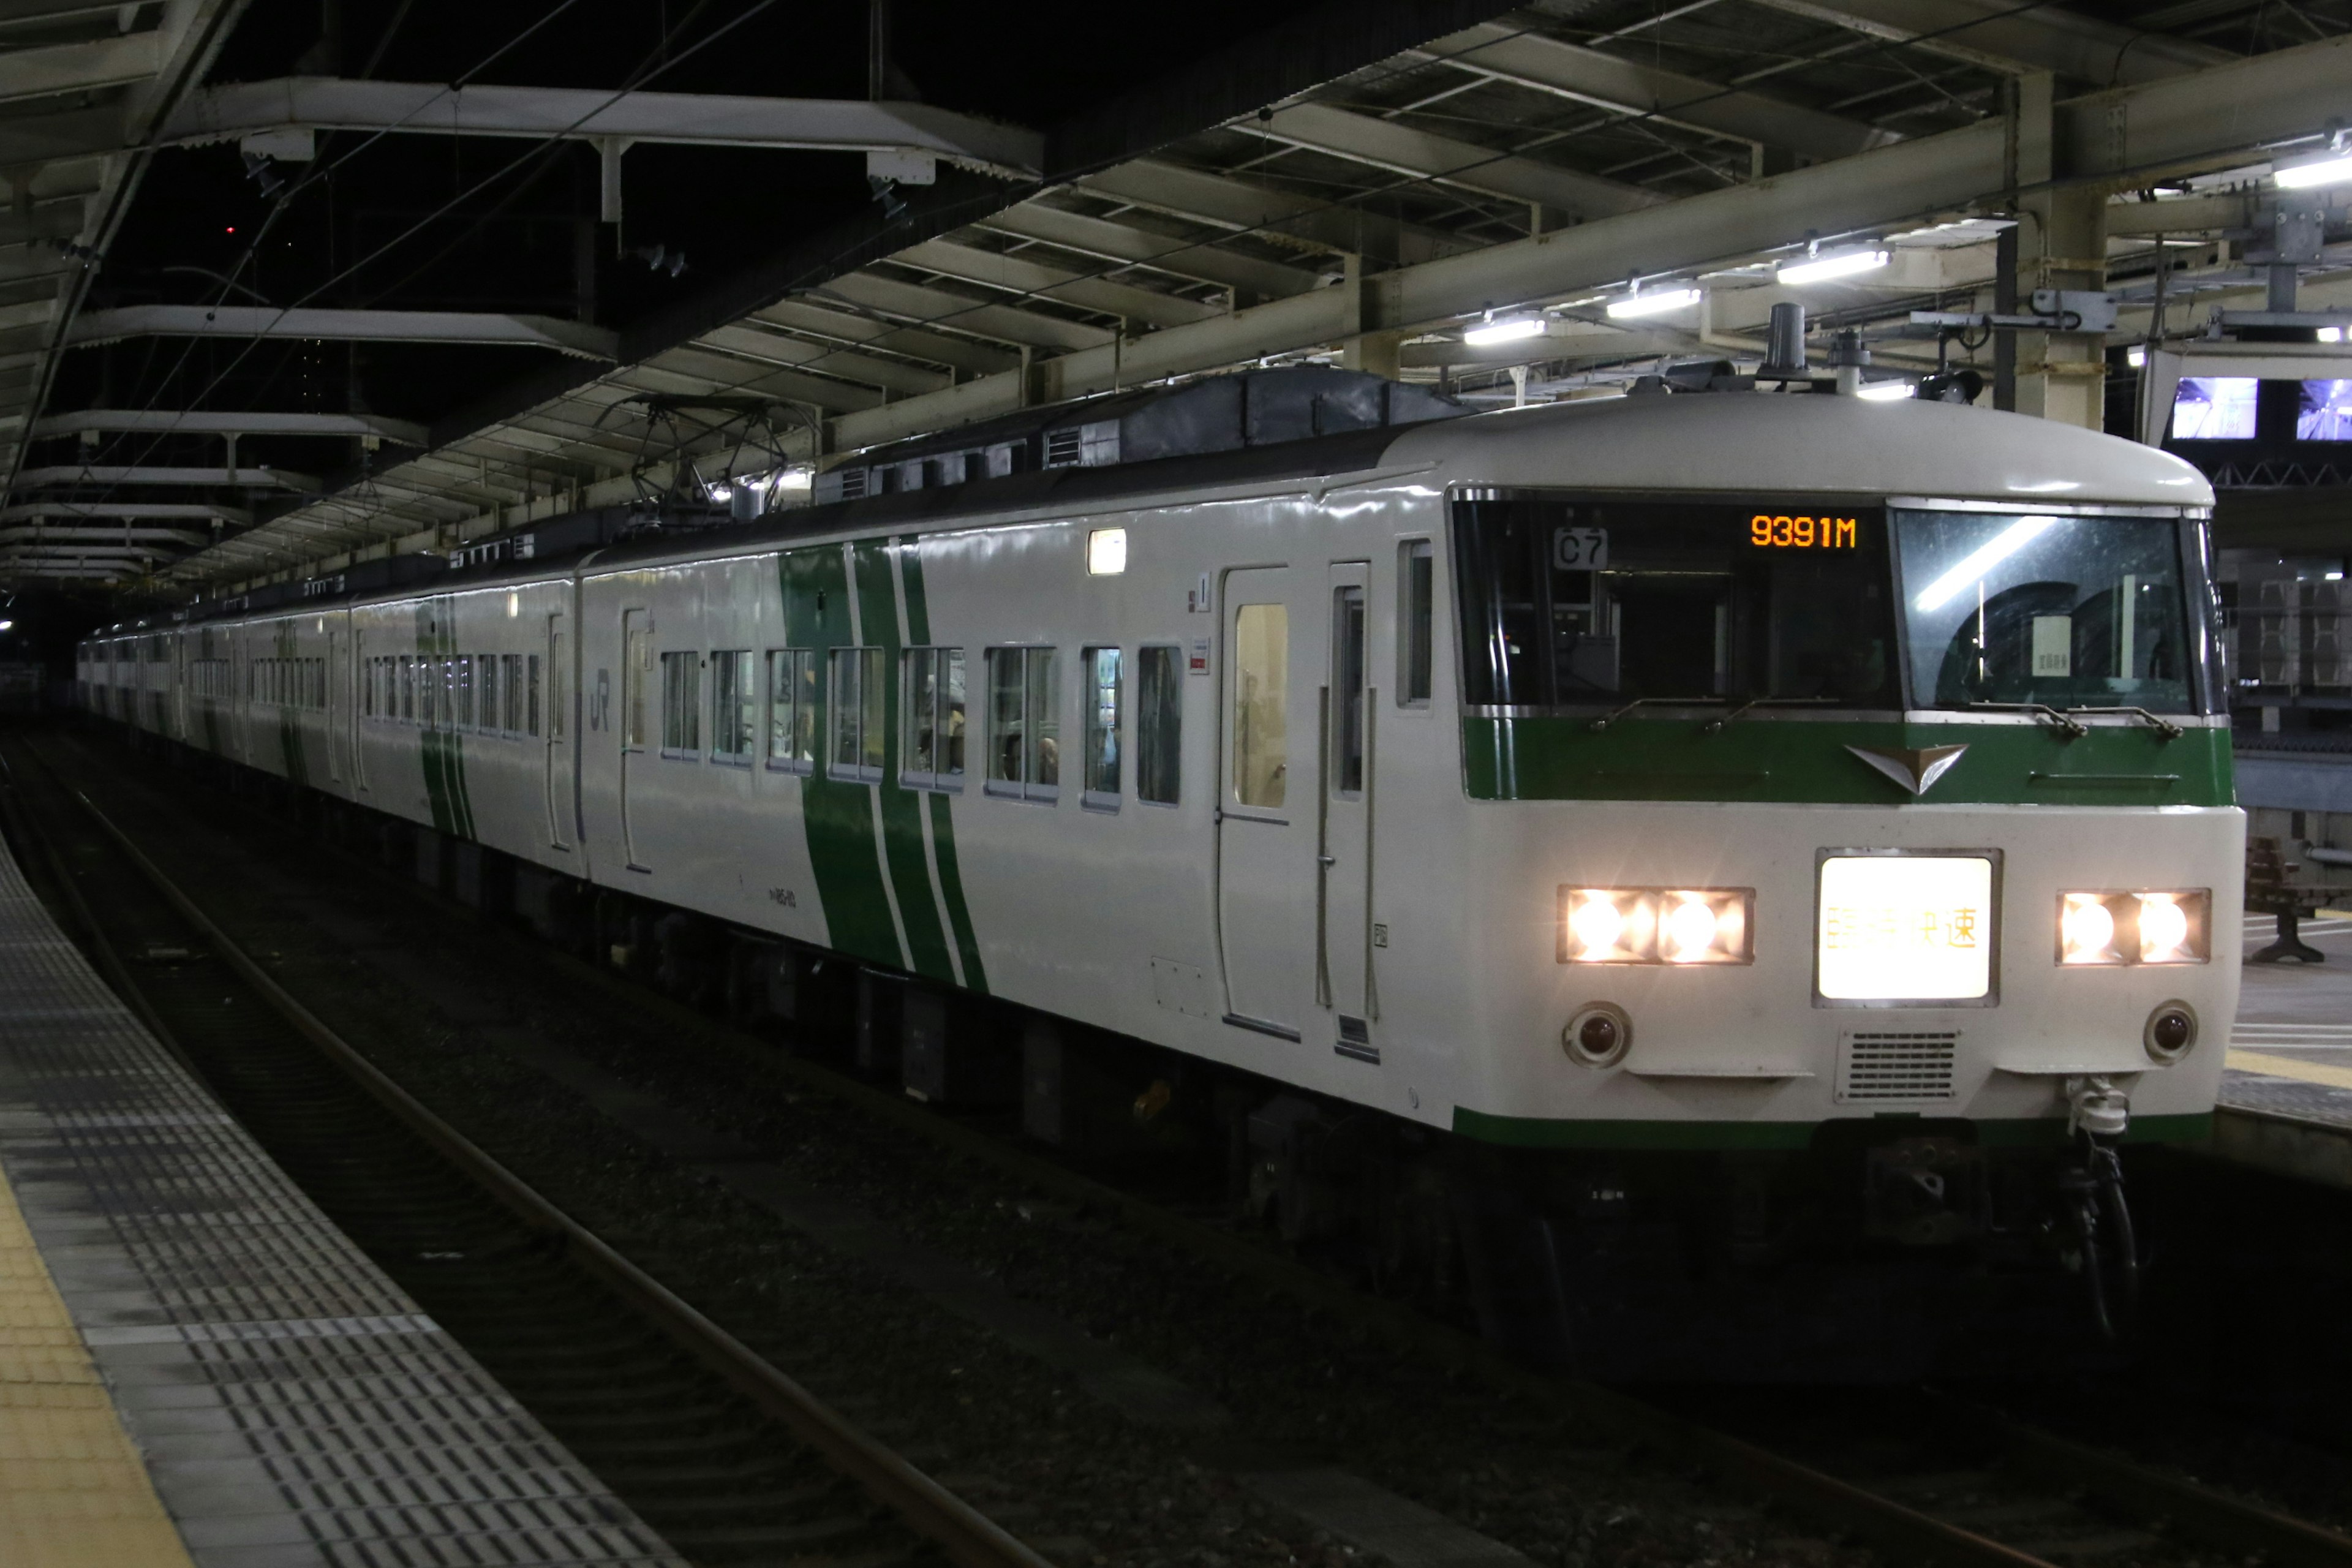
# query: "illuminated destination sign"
{"type": "Point", "coordinates": [1906, 928]}
{"type": "Point", "coordinates": [1782, 531]}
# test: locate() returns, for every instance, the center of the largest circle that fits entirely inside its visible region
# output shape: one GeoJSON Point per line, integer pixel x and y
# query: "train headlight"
{"type": "Point", "coordinates": [1603, 925]}
{"type": "Point", "coordinates": [2088, 926]}
{"type": "Point", "coordinates": [2111, 930]}
{"type": "Point", "coordinates": [1656, 925]}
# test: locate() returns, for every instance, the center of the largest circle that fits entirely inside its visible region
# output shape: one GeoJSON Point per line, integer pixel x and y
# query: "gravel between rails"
{"type": "Point", "coordinates": [1078, 1482]}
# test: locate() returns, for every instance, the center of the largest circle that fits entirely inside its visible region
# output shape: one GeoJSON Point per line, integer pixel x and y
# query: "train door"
{"type": "Point", "coordinates": [637, 675]}
{"type": "Point", "coordinates": [556, 714]}
{"type": "Point", "coordinates": [1267, 814]}
{"type": "Point", "coordinates": [338, 704]}
{"type": "Point", "coordinates": [1343, 861]}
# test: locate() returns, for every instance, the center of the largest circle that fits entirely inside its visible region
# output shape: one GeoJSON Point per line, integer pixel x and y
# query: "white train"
{"type": "Point", "coordinates": [1774, 834]}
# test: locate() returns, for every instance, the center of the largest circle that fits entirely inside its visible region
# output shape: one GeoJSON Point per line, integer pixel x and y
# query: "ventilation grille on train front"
{"type": "Point", "coordinates": [1897, 1063]}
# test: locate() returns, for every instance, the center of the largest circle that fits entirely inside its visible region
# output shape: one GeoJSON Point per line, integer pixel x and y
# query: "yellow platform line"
{"type": "Point", "coordinates": [2288, 1066]}
{"type": "Point", "coordinates": [73, 1492]}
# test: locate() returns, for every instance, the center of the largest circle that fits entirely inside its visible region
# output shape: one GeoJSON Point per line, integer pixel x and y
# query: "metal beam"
{"type": "Point", "coordinates": [939, 307]}
{"type": "Point", "coordinates": [2004, 36]}
{"type": "Point", "coordinates": [1106, 240]}
{"type": "Point", "coordinates": [159, 474]}
{"type": "Point", "coordinates": [2125, 135]}
{"type": "Point", "coordinates": [222, 422]}
{"type": "Point", "coordinates": [1514, 53]}
{"type": "Point", "coordinates": [704, 373]}
{"type": "Point", "coordinates": [1403, 150]}
{"type": "Point", "coordinates": [765, 347]}
{"type": "Point", "coordinates": [1282, 216]}
{"type": "Point", "coordinates": [1020, 275]}
{"type": "Point", "coordinates": [22, 511]}
{"type": "Point", "coordinates": [56, 70]}
{"type": "Point", "coordinates": [295, 105]}
{"type": "Point", "coordinates": [343, 326]}
{"type": "Point", "coordinates": [87, 538]}
{"type": "Point", "coordinates": [817, 321]}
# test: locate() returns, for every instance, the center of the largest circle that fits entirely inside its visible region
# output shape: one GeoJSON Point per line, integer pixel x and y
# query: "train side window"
{"type": "Point", "coordinates": [1024, 738]}
{"type": "Point", "coordinates": [859, 699]}
{"type": "Point", "coordinates": [1158, 724]}
{"type": "Point", "coordinates": [932, 699]}
{"type": "Point", "coordinates": [1261, 701]}
{"type": "Point", "coordinates": [734, 711]}
{"type": "Point", "coordinates": [492, 696]}
{"type": "Point", "coordinates": [1416, 602]}
{"type": "Point", "coordinates": [511, 685]}
{"type": "Point", "coordinates": [1348, 694]}
{"type": "Point", "coordinates": [636, 665]}
{"type": "Point", "coordinates": [530, 713]}
{"type": "Point", "coordinates": [792, 709]}
{"type": "Point", "coordinates": [461, 673]}
{"type": "Point", "coordinates": [682, 704]}
{"type": "Point", "coordinates": [1103, 782]}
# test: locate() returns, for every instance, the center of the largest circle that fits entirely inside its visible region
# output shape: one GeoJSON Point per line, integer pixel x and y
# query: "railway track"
{"type": "Point", "coordinates": [1920, 1479]}
{"type": "Point", "coordinates": [730, 1459]}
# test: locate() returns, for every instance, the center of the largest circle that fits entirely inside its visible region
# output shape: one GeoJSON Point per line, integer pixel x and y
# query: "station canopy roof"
{"type": "Point", "coordinates": [289, 283]}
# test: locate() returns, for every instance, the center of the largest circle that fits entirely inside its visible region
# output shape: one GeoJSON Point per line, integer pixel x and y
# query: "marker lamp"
{"type": "Point", "coordinates": [1657, 925]}
{"type": "Point", "coordinates": [2111, 930]}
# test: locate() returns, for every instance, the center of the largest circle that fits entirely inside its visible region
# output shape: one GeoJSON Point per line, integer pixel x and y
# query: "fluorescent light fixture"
{"type": "Point", "coordinates": [1106, 552]}
{"type": "Point", "coordinates": [1510, 330]}
{"type": "Point", "coordinates": [2331, 334]}
{"type": "Point", "coordinates": [2302, 177]}
{"type": "Point", "coordinates": [2136, 356]}
{"type": "Point", "coordinates": [1821, 269]}
{"type": "Point", "coordinates": [1656, 304]}
{"type": "Point", "coordinates": [1998, 549]}
{"type": "Point", "coordinates": [6, 624]}
{"type": "Point", "coordinates": [1887, 391]}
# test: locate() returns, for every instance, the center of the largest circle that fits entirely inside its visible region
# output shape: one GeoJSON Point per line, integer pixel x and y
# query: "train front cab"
{"type": "Point", "coordinates": [1888, 879]}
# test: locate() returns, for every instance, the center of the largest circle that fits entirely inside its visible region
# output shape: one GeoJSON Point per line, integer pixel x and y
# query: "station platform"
{"type": "Point", "coordinates": [197, 1370]}
{"type": "Point", "coordinates": [2286, 1092]}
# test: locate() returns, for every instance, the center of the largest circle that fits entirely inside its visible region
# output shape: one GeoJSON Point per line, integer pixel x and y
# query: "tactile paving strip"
{"type": "Point", "coordinates": [2288, 1097]}
{"type": "Point", "coordinates": [293, 1406]}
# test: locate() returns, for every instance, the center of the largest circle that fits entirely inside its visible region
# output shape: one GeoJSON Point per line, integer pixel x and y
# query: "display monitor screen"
{"type": "Point", "coordinates": [2214, 408]}
{"type": "Point", "coordinates": [2326, 412]}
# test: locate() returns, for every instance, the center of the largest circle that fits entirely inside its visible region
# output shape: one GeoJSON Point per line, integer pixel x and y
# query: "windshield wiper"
{"type": "Point", "coordinates": [1714, 726]}
{"type": "Point", "coordinates": [2074, 728]}
{"type": "Point", "coordinates": [1608, 718]}
{"type": "Point", "coordinates": [2165, 728]}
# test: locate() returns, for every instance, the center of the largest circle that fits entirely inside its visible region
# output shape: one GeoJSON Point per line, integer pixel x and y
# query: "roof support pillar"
{"type": "Point", "coordinates": [608, 156]}
{"type": "Point", "coordinates": [2062, 243]}
{"type": "Point", "coordinates": [1366, 347]}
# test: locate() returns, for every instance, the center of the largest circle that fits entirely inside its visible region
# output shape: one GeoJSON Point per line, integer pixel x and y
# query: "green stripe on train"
{"type": "Point", "coordinates": [2003, 1132]}
{"type": "Point", "coordinates": [837, 814]}
{"type": "Point", "coordinates": [944, 847]}
{"type": "Point", "coordinates": [440, 749]}
{"type": "Point", "coordinates": [902, 820]}
{"type": "Point", "coordinates": [1640, 758]}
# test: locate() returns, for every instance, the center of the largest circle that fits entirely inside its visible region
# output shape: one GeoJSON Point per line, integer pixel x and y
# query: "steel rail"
{"type": "Point", "coordinates": [965, 1535]}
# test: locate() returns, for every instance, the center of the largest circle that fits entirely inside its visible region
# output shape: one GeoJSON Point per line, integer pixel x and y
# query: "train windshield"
{"type": "Point", "coordinates": [2067, 612]}
{"type": "Point", "coordinates": [1577, 603]}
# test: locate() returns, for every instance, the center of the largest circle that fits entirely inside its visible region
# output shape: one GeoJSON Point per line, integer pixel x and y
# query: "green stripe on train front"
{"type": "Point", "coordinates": [1547, 1132]}
{"type": "Point", "coordinates": [1808, 761]}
